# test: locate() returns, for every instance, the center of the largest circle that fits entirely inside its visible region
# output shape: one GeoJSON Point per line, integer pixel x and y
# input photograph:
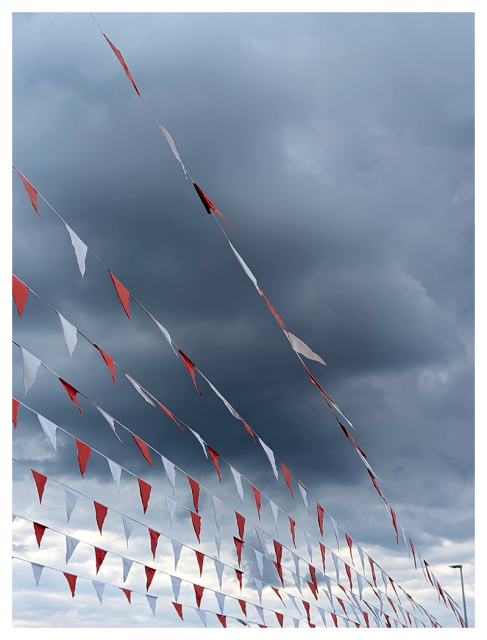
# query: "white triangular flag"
{"type": "Point", "coordinates": [164, 332]}
{"type": "Point", "coordinates": [245, 267]}
{"type": "Point", "coordinates": [296, 582]}
{"type": "Point", "coordinates": [299, 346]}
{"type": "Point", "coordinates": [116, 470]}
{"type": "Point", "coordinates": [71, 544]}
{"type": "Point", "coordinates": [258, 586]}
{"type": "Point", "coordinates": [225, 402]}
{"type": "Point", "coordinates": [405, 541]}
{"type": "Point", "coordinates": [270, 454]}
{"type": "Point", "coordinates": [170, 472]}
{"type": "Point", "coordinates": [303, 492]}
{"type": "Point", "coordinates": [49, 429]}
{"type": "Point", "coordinates": [355, 599]}
{"type": "Point", "coordinates": [335, 562]}
{"type": "Point", "coordinates": [200, 440]}
{"type": "Point", "coordinates": [296, 563]}
{"type": "Point", "coordinates": [296, 623]}
{"type": "Point", "coordinates": [99, 588]}
{"type": "Point", "coordinates": [218, 538]}
{"type": "Point", "coordinates": [30, 365]}
{"type": "Point", "coordinates": [219, 570]}
{"type": "Point", "coordinates": [80, 250]}
{"type": "Point", "coordinates": [71, 496]}
{"type": "Point", "coordinates": [322, 614]}
{"type": "Point", "coordinates": [293, 600]}
{"type": "Point", "coordinates": [260, 611]}
{"type": "Point", "coordinates": [384, 579]}
{"type": "Point", "coordinates": [260, 564]}
{"type": "Point", "coordinates": [202, 615]}
{"type": "Point", "coordinates": [128, 526]}
{"type": "Point", "coordinates": [221, 600]}
{"type": "Point", "coordinates": [361, 554]}
{"type": "Point", "coordinates": [275, 513]}
{"type": "Point", "coordinates": [109, 419]}
{"type": "Point", "coordinates": [346, 622]}
{"type": "Point", "coordinates": [360, 586]}
{"type": "Point", "coordinates": [328, 595]}
{"type": "Point", "coordinates": [260, 536]}
{"type": "Point", "coordinates": [171, 508]}
{"type": "Point", "coordinates": [173, 146]}
{"type": "Point", "coordinates": [13, 516]}
{"type": "Point", "coordinates": [176, 547]}
{"type": "Point", "coordinates": [152, 603]}
{"type": "Point", "coordinates": [217, 509]}
{"type": "Point", "coordinates": [336, 531]}
{"type": "Point", "coordinates": [70, 334]}
{"type": "Point", "coordinates": [127, 565]}
{"type": "Point", "coordinates": [238, 483]}
{"type": "Point", "coordinates": [176, 587]}
{"type": "Point", "coordinates": [37, 570]}
{"type": "Point", "coordinates": [308, 544]}
{"type": "Point", "coordinates": [140, 389]}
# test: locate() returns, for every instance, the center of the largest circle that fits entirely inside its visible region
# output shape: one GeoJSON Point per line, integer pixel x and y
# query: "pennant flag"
{"type": "Point", "coordinates": [308, 544]}
{"type": "Point", "coordinates": [238, 483]}
{"type": "Point", "coordinates": [221, 600]}
{"type": "Point", "coordinates": [299, 346]}
{"type": "Point", "coordinates": [244, 266]}
{"type": "Point", "coordinates": [143, 448]}
{"type": "Point", "coordinates": [249, 430]}
{"type": "Point", "coordinates": [125, 68]}
{"type": "Point", "coordinates": [312, 573]}
{"type": "Point", "coordinates": [323, 553]}
{"type": "Point", "coordinates": [260, 565]}
{"type": "Point", "coordinates": [149, 574]}
{"type": "Point", "coordinates": [414, 555]}
{"type": "Point", "coordinates": [198, 591]}
{"type": "Point", "coordinates": [303, 491]}
{"type": "Point", "coordinates": [208, 204]}
{"type": "Point", "coordinates": [40, 481]}
{"type": "Point", "coordinates": [99, 588]}
{"type": "Point", "coordinates": [361, 554]}
{"type": "Point", "coordinates": [128, 593]}
{"type": "Point", "coordinates": [293, 600]}
{"type": "Point", "coordinates": [39, 530]}
{"type": "Point", "coordinates": [31, 191]}
{"type": "Point", "coordinates": [274, 312]}
{"type": "Point", "coordinates": [218, 538]}
{"type": "Point", "coordinates": [371, 562]}
{"type": "Point", "coordinates": [257, 499]}
{"type": "Point", "coordinates": [276, 591]}
{"type": "Point", "coordinates": [280, 618]}
{"type": "Point", "coordinates": [30, 365]}
{"type": "Point", "coordinates": [71, 581]}
{"type": "Point", "coordinates": [71, 391]}
{"type": "Point", "coordinates": [154, 537]}
{"type": "Point", "coordinates": [37, 571]}
{"type": "Point", "coordinates": [222, 619]}
{"type": "Point", "coordinates": [190, 368]}
{"type": "Point", "coordinates": [176, 547]}
{"type": "Point", "coordinates": [394, 522]}
{"type": "Point", "coordinates": [243, 606]}
{"type": "Point", "coordinates": [176, 586]}
{"type": "Point", "coordinates": [71, 497]}
{"type": "Point", "coordinates": [200, 557]}
{"type": "Point", "coordinates": [99, 557]}
{"type": "Point", "coordinates": [145, 490]}
{"type": "Point", "coordinates": [49, 429]}
{"type": "Point", "coordinates": [335, 562]}
{"type": "Point", "coordinates": [372, 477]}
{"type": "Point", "coordinates": [336, 532]}
{"type": "Point", "coordinates": [71, 544]}
{"type": "Point", "coordinates": [101, 512]}
{"type": "Point", "coordinates": [170, 472]}
{"type": "Point", "coordinates": [278, 550]}
{"type": "Point", "coordinates": [172, 145]}
{"type": "Point", "coordinates": [287, 476]}
{"type": "Point", "coordinates": [321, 513]}
{"type": "Point", "coordinates": [219, 570]}
{"type": "Point", "coordinates": [335, 620]}
{"type": "Point", "coordinates": [292, 524]}
{"type": "Point", "coordinates": [200, 440]}
{"type": "Point", "coordinates": [116, 471]}
{"type": "Point", "coordinates": [313, 588]}
{"type": "Point", "coordinates": [306, 606]}
{"type": "Point", "coordinates": [122, 293]}
{"type": "Point", "coordinates": [108, 361]}
{"type": "Point", "coordinates": [15, 408]}
{"type": "Point", "coordinates": [126, 565]}
{"type": "Point", "coordinates": [275, 513]}
{"type": "Point", "coordinates": [171, 507]}
{"type": "Point", "coordinates": [195, 490]}
{"type": "Point", "coordinates": [139, 389]}
{"type": "Point", "coordinates": [214, 456]}
{"type": "Point", "coordinates": [258, 586]}
{"type": "Point", "coordinates": [70, 334]}
{"type": "Point", "coordinates": [239, 575]}
{"type": "Point", "coordinates": [296, 623]}
{"type": "Point", "coordinates": [109, 419]}
{"type": "Point", "coordinates": [349, 574]}
{"type": "Point", "coordinates": [80, 249]}
{"type": "Point", "coordinates": [20, 291]}
{"type": "Point", "coordinates": [152, 603]}
{"type": "Point", "coordinates": [260, 611]}
{"type": "Point", "coordinates": [260, 535]}
{"type": "Point", "coordinates": [84, 452]}
{"type": "Point", "coordinates": [279, 571]}
{"type": "Point", "coordinates": [350, 543]}
{"type": "Point", "coordinates": [202, 615]}
{"type": "Point", "coordinates": [239, 544]}
{"type": "Point", "coordinates": [196, 520]}
{"type": "Point", "coordinates": [128, 526]}
{"type": "Point", "coordinates": [179, 609]}
{"type": "Point", "coordinates": [240, 525]}
{"type": "Point", "coordinates": [270, 455]}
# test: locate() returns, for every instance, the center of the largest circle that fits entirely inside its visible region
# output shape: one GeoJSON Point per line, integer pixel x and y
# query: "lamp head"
{"type": "Point", "coordinates": [456, 566]}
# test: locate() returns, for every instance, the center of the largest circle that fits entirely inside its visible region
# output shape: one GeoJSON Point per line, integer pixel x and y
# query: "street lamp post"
{"type": "Point", "coordinates": [459, 566]}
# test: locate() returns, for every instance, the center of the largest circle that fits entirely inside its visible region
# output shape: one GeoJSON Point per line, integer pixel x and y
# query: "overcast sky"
{"type": "Point", "coordinates": [340, 147]}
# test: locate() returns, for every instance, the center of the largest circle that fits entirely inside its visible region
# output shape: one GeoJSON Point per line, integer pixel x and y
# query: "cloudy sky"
{"type": "Point", "coordinates": [340, 147]}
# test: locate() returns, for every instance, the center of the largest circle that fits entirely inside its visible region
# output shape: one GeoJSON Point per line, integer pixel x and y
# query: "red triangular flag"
{"type": "Point", "coordinates": [122, 293]}
{"type": "Point", "coordinates": [262, 626]}
{"type": "Point", "coordinates": [313, 589]}
{"type": "Point", "coordinates": [315, 381]}
{"type": "Point", "coordinates": [274, 312]}
{"type": "Point", "coordinates": [257, 498]}
{"type": "Point", "coordinates": [39, 530]}
{"type": "Point", "coordinates": [312, 573]}
{"type": "Point", "coordinates": [350, 543]}
{"type": "Point", "coordinates": [145, 490]}
{"type": "Point", "coordinates": [311, 625]}
{"type": "Point", "coordinates": [349, 574]}
{"type": "Point", "coordinates": [198, 592]}
{"type": "Point", "coordinates": [388, 622]}
{"type": "Point", "coordinates": [239, 577]}
{"type": "Point", "coordinates": [371, 562]}
{"type": "Point", "coordinates": [143, 448]}
{"type": "Point", "coordinates": [127, 592]}
{"type": "Point", "coordinates": [243, 606]}
{"type": "Point", "coordinates": [108, 361]}
{"type": "Point", "coordinates": [391, 602]}
{"type": "Point", "coordinates": [249, 430]}
{"type": "Point", "coordinates": [195, 489]}
{"type": "Point", "coordinates": [414, 555]}
{"type": "Point", "coordinates": [84, 452]}
{"type": "Point", "coordinates": [40, 481]}
{"type": "Point", "coordinates": [15, 408]}
{"type": "Point", "coordinates": [154, 537]}
{"type": "Point", "coordinates": [394, 522]}
{"type": "Point", "coordinates": [71, 581]}
{"type": "Point", "coordinates": [321, 513]}
{"type": "Point", "coordinates": [101, 514]}
{"type": "Point", "coordinates": [168, 413]}
{"type": "Point", "coordinates": [323, 553]}
{"type": "Point", "coordinates": [280, 618]}
{"type": "Point", "coordinates": [292, 524]}
{"type": "Point", "coordinates": [276, 591]}
{"type": "Point", "coordinates": [31, 191]}
{"type": "Point", "coordinates": [394, 587]}
{"type": "Point", "coordinates": [179, 609]}
{"type": "Point", "coordinates": [207, 203]}
{"type": "Point", "coordinates": [287, 476]}
{"type": "Point", "coordinates": [278, 550]}
{"type": "Point", "coordinates": [306, 606]}
{"type": "Point", "coordinates": [190, 368]}
{"type": "Point", "coordinates": [71, 391]}
{"type": "Point", "coordinates": [240, 525]}
{"type": "Point", "coordinates": [200, 557]}
{"type": "Point", "coordinates": [123, 63]}
{"type": "Point", "coordinates": [20, 291]}
{"type": "Point", "coordinates": [196, 520]}
{"type": "Point", "coordinates": [149, 574]}
{"type": "Point", "coordinates": [279, 571]}
{"type": "Point", "coordinates": [372, 477]}
{"type": "Point", "coordinates": [349, 435]}
{"type": "Point", "coordinates": [238, 546]}
{"type": "Point", "coordinates": [334, 618]}
{"type": "Point", "coordinates": [223, 619]}
{"type": "Point", "coordinates": [426, 565]}
{"type": "Point", "coordinates": [214, 456]}
{"type": "Point", "coordinates": [99, 557]}
{"type": "Point", "coordinates": [341, 603]}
